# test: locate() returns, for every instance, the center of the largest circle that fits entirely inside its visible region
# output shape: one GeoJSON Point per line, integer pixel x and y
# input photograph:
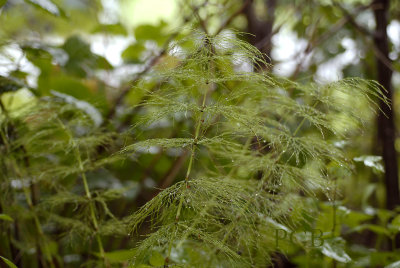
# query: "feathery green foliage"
{"type": "Point", "coordinates": [50, 146]}
{"type": "Point", "coordinates": [261, 164]}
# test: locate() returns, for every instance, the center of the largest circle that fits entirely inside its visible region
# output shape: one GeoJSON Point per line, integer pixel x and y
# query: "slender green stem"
{"type": "Point", "coordinates": [334, 208]}
{"type": "Point", "coordinates": [91, 205]}
{"type": "Point", "coordinates": [302, 121]}
{"type": "Point", "coordinates": [189, 169]}
{"type": "Point", "coordinates": [27, 191]}
{"type": "Point", "coordinates": [193, 149]}
{"type": "Point", "coordinates": [87, 193]}
{"type": "Point", "coordinates": [190, 165]}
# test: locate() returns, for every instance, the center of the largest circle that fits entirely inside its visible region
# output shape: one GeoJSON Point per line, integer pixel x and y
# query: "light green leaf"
{"type": "Point", "coordinates": [47, 6]}
{"type": "Point", "coordinates": [150, 32]}
{"type": "Point", "coordinates": [393, 265]}
{"type": "Point", "coordinates": [119, 255]}
{"type": "Point", "coordinates": [355, 218]}
{"type": "Point", "coordinates": [115, 29]}
{"type": "Point", "coordinates": [156, 259]}
{"type": "Point", "coordinates": [394, 226]}
{"type": "Point", "coordinates": [5, 217]}
{"type": "Point", "coordinates": [133, 53]}
{"type": "Point", "coordinates": [8, 262]}
{"type": "Point", "coordinates": [385, 215]}
{"type": "Point", "coordinates": [334, 248]}
{"type": "Point", "coordinates": [396, 221]}
{"type": "Point", "coordinates": [374, 228]}
{"type": "Point", "coordinates": [2, 3]}
{"type": "Point", "coordinates": [370, 189]}
{"type": "Point", "coordinates": [89, 109]}
{"type": "Point", "coordinates": [80, 57]}
{"type": "Point", "coordinates": [371, 161]}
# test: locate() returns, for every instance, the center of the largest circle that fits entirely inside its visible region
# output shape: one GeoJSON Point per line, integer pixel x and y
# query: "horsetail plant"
{"type": "Point", "coordinates": [38, 142]}
{"type": "Point", "coordinates": [251, 166]}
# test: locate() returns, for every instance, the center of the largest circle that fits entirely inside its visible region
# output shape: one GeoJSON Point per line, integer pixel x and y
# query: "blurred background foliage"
{"type": "Point", "coordinates": [83, 59]}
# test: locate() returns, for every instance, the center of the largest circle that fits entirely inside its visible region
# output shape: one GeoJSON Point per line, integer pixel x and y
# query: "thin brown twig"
{"type": "Point", "coordinates": [201, 21]}
{"type": "Point", "coordinates": [170, 176]}
{"type": "Point", "coordinates": [233, 16]}
{"type": "Point", "coordinates": [352, 21]}
{"type": "Point", "coordinates": [365, 32]}
{"type": "Point", "coordinates": [267, 38]}
{"type": "Point", "coordinates": [313, 43]}
{"type": "Point", "coordinates": [149, 65]}
{"type": "Point", "coordinates": [307, 51]}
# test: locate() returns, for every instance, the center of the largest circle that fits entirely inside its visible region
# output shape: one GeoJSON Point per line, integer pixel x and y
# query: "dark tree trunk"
{"type": "Point", "coordinates": [262, 30]}
{"type": "Point", "coordinates": [386, 127]}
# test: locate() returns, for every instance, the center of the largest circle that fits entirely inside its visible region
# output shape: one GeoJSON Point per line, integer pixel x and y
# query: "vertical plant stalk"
{"type": "Point", "coordinates": [91, 206]}
{"type": "Point", "coordinates": [334, 212]}
{"type": "Point", "coordinates": [30, 195]}
{"type": "Point", "coordinates": [39, 229]}
{"type": "Point", "coordinates": [193, 149]}
{"type": "Point", "coordinates": [198, 126]}
{"type": "Point", "coordinates": [87, 193]}
{"type": "Point", "coordinates": [14, 252]}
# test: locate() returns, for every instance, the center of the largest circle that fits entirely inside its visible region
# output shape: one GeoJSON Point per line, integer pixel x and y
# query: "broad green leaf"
{"type": "Point", "coordinates": [156, 259]}
{"type": "Point", "coordinates": [81, 58]}
{"type": "Point", "coordinates": [47, 6]}
{"type": "Point", "coordinates": [379, 258]}
{"type": "Point", "coordinates": [115, 29]}
{"type": "Point", "coordinates": [367, 193]}
{"type": "Point", "coordinates": [89, 109]}
{"type": "Point", "coordinates": [2, 3]}
{"type": "Point", "coordinates": [76, 88]}
{"type": "Point", "coordinates": [18, 74]}
{"type": "Point", "coordinates": [119, 255]}
{"type": "Point", "coordinates": [385, 215]}
{"type": "Point", "coordinates": [5, 217]}
{"type": "Point", "coordinates": [8, 262]}
{"type": "Point", "coordinates": [396, 221]}
{"type": "Point", "coordinates": [335, 249]}
{"type": "Point", "coordinates": [355, 218]}
{"type": "Point", "coordinates": [102, 63]}
{"type": "Point", "coordinates": [373, 161]}
{"type": "Point", "coordinates": [69, 85]}
{"type": "Point", "coordinates": [393, 265]}
{"type": "Point", "coordinates": [147, 32]}
{"type": "Point", "coordinates": [13, 101]}
{"type": "Point", "coordinates": [372, 227]}
{"type": "Point", "coordinates": [133, 53]}
{"type": "Point", "coordinates": [40, 57]}
{"type": "Point", "coordinates": [394, 225]}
